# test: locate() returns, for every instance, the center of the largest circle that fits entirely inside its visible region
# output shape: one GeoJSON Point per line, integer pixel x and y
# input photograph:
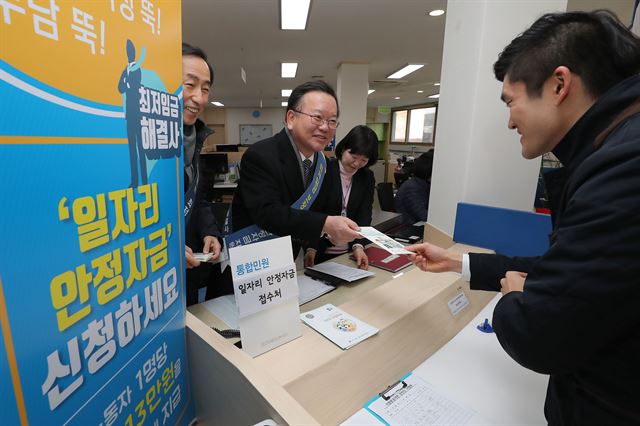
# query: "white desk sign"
{"type": "Point", "coordinates": [259, 291]}
{"type": "Point", "coordinates": [458, 303]}
{"type": "Point", "coordinates": [266, 293]}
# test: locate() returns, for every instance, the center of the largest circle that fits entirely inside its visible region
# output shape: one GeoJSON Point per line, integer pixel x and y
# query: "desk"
{"type": "Point", "coordinates": [473, 369]}
{"type": "Point", "coordinates": [310, 380]}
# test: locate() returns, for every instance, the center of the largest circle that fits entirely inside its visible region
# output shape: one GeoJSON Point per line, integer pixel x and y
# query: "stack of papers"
{"type": "Point", "coordinates": [338, 326]}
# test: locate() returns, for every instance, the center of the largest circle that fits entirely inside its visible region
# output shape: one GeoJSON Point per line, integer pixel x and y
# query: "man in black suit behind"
{"type": "Point", "coordinates": [273, 172]}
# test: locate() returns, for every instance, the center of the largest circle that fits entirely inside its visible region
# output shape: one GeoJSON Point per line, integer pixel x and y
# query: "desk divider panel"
{"type": "Point", "coordinates": [228, 389]}
{"type": "Point", "coordinates": [506, 231]}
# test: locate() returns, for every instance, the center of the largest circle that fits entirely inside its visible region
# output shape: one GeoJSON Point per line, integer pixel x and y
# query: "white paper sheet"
{"type": "Point", "coordinates": [341, 271]}
{"type": "Point", "coordinates": [225, 308]}
{"type": "Point", "coordinates": [311, 289]}
{"type": "Point", "coordinates": [383, 241]}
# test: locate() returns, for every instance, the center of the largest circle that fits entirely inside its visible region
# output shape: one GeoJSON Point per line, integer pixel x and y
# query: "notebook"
{"type": "Point", "coordinates": [335, 273]}
{"type": "Point", "coordinates": [384, 260]}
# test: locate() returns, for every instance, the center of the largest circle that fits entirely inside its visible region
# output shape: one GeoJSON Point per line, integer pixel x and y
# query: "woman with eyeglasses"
{"type": "Point", "coordinates": [348, 190]}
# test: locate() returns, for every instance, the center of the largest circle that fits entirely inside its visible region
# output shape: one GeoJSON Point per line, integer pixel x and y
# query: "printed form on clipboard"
{"type": "Point", "coordinates": [413, 401]}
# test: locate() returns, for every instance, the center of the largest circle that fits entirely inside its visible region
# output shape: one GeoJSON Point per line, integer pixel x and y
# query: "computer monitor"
{"type": "Point", "coordinates": [227, 148]}
{"type": "Point", "coordinates": [216, 162]}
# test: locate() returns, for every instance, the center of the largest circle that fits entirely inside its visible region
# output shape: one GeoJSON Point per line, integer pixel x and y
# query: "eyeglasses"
{"type": "Point", "coordinates": [316, 120]}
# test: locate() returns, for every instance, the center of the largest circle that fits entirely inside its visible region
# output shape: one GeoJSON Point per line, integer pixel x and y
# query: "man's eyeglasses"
{"type": "Point", "coordinates": [316, 120]}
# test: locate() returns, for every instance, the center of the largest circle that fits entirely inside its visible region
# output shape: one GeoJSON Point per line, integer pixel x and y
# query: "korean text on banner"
{"type": "Point", "coordinates": [91, 264]}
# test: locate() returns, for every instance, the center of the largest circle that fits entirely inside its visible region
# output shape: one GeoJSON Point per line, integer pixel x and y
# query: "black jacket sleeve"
{"type": "Point", "coordinates": [488, 269]}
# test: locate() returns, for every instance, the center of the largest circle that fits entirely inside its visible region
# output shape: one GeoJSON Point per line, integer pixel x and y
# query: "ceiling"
{"type": "Point", "coordinates": [386, 34]}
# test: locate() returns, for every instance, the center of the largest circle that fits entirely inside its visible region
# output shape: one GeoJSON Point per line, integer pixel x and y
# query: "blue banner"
{"type": "Point", "coordinates": [92, 303]}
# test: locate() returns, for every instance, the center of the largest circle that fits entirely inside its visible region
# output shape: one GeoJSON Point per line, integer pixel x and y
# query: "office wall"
{"type": "Point", "coordinates": [478, 160]}
{"type": "Point", "coordinates": [238, 116]}
{"type": "Point", "coordinates": [353, 83]}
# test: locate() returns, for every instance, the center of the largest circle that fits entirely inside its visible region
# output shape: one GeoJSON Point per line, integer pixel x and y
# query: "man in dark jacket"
{"type": "Point", "coordinates": [572, 87]}
{"type": "Point", "coordinates": [202, 233]}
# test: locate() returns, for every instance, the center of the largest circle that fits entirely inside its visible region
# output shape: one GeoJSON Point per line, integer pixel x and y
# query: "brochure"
{"type": "Point", "coordinates": [336, 325]}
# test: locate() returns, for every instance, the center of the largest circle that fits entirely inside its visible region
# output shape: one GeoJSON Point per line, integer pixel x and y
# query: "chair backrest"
{"type": "Point", "coordinates": [508, 232]}
{"type": "Point", "coordinates": [385, 196]}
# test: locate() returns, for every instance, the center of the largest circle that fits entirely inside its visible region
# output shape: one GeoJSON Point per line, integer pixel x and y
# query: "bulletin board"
{"type": "Point", "coordinates": [251, 133]}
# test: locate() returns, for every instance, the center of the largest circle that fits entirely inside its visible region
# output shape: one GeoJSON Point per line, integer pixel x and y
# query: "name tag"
{"type": "Point", "coordinates": [458, 303]}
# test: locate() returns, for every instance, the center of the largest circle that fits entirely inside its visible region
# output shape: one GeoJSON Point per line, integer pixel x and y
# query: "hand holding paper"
{"type": "Point", "coordinates": [340, 230]}
{"type": "Point", "coordinates": [431, 258]}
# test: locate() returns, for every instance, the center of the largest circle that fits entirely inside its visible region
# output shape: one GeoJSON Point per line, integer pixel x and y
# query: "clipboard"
{"type": "Point", "coordinates": [386, 395]}
{"type": "Point", "coordinates": [411, 400]}
{"type": "Point", "coordinates": [392, 389]}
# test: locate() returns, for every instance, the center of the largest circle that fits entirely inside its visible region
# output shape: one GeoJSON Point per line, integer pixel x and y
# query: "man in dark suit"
{"type": "Point", "coordinates": [276, 171]}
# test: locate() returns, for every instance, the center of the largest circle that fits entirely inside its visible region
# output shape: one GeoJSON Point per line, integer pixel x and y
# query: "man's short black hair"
{"type": "Point", "coordinates": [423, 166]}
{"type": "Point", "coordinates": [310, 86]}
{"type": "Point", "coordinates": [188, 50]}
{"type": "Point", "coordinates": [596, 46]}
{"type": "Point", "coordinates": [360, 140]}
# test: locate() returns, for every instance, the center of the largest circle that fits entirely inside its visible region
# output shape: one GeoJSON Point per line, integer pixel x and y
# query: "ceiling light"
{"type": "Point", "coordinates": [289, 69]}
{"type": "Point", "coordinates": [397, 97]}
{"type": "Point", "coordinates": [419, 91]}
{"type": "Point", "coordinates": [436, 84]}
{"type": "Point", "coordinates": [284, 104]}
{"type": "Point", "coordinates": [216, 103]}
{"type": "Point", "coordinates": [436, 12]}
{"type": "Point", "coordinates": [370, 91]}
{"type": "Point", "coordinates": [286, 93]}
{"type": "Point", "coordinates": [436, 96]}
{"type": "Point", "coordinates": [294, 14]}
{"type": "Point", "coordinates": [406, 70]}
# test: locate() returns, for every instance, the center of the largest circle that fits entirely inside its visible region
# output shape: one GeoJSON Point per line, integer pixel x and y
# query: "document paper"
{"type": "Point", "coordinates": [347, 273]}
{"type": "Point", "coordinates": [412, 401]}
{"type": "Point", "coordinates": [383, 241]}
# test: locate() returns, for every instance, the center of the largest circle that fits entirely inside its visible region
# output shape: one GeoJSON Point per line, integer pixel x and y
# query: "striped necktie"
{"type": "Point", "coordinates": [306, 166]}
